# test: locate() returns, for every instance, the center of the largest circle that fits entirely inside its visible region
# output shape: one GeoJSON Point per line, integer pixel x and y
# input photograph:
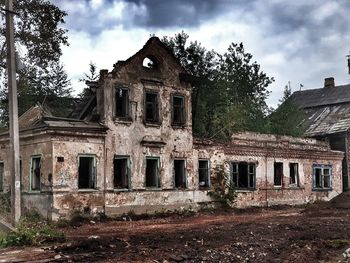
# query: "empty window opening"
{"type": "Point", "coordinates": [121, 172]}
{"type": "Point", "coordinates": [35, 173]}
{"type": "Point", "coordinates": [149, 63]}
{"type": "Point", "coordinates": [203, 173]}
{"type": "Point", "coordinates": [243, 175]}
{"type": "Point", "coordinates": [1, 176]}
{"type": "Point", "coordinates": [322, 177]}
{"type": "Point", "coordinates": [122, 102]}
{"type": "Point", "coordinates": [178, 110]}
{"type": "Point", "coordinates": [293, 174]}
{"type": "Point", "coordinates": [152, 172]}
{"type": "Point", "coordinates": [278, 174]}
{"type": "Point", "coordinates": [180, 173]}
{"type": "Point", "coordinates": [87, 172]}
{"type": "Point", "coordinates": [151, 107]}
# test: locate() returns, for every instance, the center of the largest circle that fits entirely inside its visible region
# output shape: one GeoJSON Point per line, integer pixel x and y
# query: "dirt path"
{"type": "Point", "coordinates": [316, 234]}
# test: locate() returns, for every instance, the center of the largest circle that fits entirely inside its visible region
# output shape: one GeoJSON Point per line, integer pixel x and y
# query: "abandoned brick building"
{"type": "Point", "coordinates": [327, 117]}
{"type": "Point", "coordinates": [131, 148]}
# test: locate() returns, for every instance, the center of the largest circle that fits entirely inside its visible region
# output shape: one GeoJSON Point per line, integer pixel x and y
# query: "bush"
{"type": "Point", "coordinates": [5, 203]}
{"type": "Point", "coordinates": [31, 230]}
{"type": "Point", "coordinates": [224, 191]}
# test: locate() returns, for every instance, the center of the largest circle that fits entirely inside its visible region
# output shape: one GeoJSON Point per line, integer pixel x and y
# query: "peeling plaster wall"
{"type": "Point", "coordinates": [256, 148]}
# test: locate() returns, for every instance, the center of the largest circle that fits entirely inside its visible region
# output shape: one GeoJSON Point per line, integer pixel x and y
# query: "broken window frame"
{"type": "Point", "coordinates": [2, 176]}
{"type": "Point", "coordinates": [323, 177]}
{"type": "Point", "coordinates": [126, 115]}
{"type": "Point", "coordinates": [156, 118]}
{"type": "Point", "coordinates": [157, 175]}
{"type": "Point", "coordinates": [35, 176]}
{"type": "Point", "coordinates": [92, 181]}
{"type": "Point", "coordinates": [183, 183]}
{"type": "Point", "coordinates": [251, 175]}
{"type": "Point", "coordinates": [295, 182]}
{"type": "Point", "coordinates": [152, 63]}
{"type": "Point", "coordinates": [128, 171]}
{"type": "Point", "coordinates": [181, 109]}
{"type": "Point", "coordinates": [275, 179]}
{"type": "Point", "coordinates": [206, 170]}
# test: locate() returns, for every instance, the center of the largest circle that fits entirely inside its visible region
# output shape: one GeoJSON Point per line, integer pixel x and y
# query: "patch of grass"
{"type": "Point", "coordinates": [32, 230]}
{"type": "Point", "coordinates": [338, 243]}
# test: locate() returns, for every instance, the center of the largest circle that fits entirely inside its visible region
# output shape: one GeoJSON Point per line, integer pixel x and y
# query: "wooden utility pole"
{"type": "Point", "coordinates": [13, 112]}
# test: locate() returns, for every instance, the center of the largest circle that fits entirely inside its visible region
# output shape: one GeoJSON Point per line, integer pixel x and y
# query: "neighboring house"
{"type": "Point", "coordinates": [130, 148]}
{"type": "Point", "coordinates": [327, 117]}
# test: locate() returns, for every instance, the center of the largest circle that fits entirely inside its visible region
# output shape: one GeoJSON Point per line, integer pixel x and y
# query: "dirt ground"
{"type": "Point", "coordinates": [316, 233]}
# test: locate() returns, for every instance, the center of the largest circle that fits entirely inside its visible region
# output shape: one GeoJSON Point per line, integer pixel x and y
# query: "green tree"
{"type": "Point", "coordinates": [229, 91]}
{"type": "Point", "coordinates": [288, 118]}
{"type": "Point", "coordinates": [91, 76]}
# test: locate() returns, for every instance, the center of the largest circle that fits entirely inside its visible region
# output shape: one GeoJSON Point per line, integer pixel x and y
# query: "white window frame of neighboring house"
{"type": "Point", "coordinates": [94, 171]}
{"type": "Point", "coordinates": [323, 175]}
{"type": "Point", "coordinates": [38, 156]}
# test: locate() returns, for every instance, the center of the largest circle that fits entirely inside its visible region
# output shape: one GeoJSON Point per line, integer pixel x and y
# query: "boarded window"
{"type": "Point", "coordinates": [1, 176]}
{"type": "Point", "coordinates": [122, 103]}
{"type": "Point", "coordinates": [243, 175]}
{"type": "Point", "coordinates": [121, 172]}
{"type": "Point", "coordinates": [180, 173]}
{"type": "Point", "coordinates": [278, 174]}
{"type": "Point", "coordinates": [87, 172]}
{"type": "Point", "coordinates": [152, 172]}
{"type": "Point", "coordinates": [293, 174]}
{"type": "Point", "coordinates": [151, 107]}
{"type": "Point", "coordinates": [178, 112]}
{"type": "Point", "coordinates": [203, 173]}
{"type": "Point", "coordinates": [322, 177]}
{"type": "Point", "coordinates": [35, 173]}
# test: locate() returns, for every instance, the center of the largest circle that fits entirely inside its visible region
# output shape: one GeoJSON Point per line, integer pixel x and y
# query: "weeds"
{"type": "Point", "coordinates": [31, 230]}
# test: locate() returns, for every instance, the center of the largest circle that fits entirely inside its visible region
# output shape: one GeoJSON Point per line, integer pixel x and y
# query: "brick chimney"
{"type": "Point", "coordinates": [329, 82]}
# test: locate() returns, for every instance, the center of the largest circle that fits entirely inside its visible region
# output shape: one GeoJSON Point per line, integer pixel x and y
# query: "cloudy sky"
{"type": "Point", "coordinates": [298, 41]}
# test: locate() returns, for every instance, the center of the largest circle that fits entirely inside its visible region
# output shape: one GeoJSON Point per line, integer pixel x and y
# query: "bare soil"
{"type": "Point", "coordinates": [316, 233]}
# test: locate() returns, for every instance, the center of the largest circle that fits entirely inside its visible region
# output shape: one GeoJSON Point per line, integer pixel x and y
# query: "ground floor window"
{"type": "Point", "coordinates": [243, 175]}
{"type": "Point", "coordinates": [278, 174]}
{"type": "Point", "coordinates": [1, 176]}
{"type": "Point", "coordinates": [293, 174]}
{"type": "Point", "coordinates": [121, 166]}
{"type": "Point", "coordinates": [322, 177]}
{"type": "Point", "coordinates": [35, 173]}
{"type": "Point", "coordinates": [152, 172]}
{"type": "Point", "coordinates": [203, 173]}
{"type": "Point", "coordinates": [87, 172]}
{"type": "Point", "coordinates": [180, 174]}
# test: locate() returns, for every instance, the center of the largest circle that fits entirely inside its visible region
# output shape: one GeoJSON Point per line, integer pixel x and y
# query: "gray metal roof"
{"type": "Point", "coordinates": [327, 110]}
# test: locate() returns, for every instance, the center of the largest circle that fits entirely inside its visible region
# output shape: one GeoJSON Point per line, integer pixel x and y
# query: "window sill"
{"type": "Point", "coordinates": [152, 124]}
{"type": "Point", "coordinates": [153, 189]}
{"type": "Point", "coordinates": [245, 190]}
{"type": "Point", "coordinates": [126, 121]}
{"type": "Point", "coordinates": [204, 188]}
{"type": "Point", "coordinates": [121, 190]}
{"type": "Point", "coordinates": [322, 189]}
{"type": "Point", "coordinates": [179, 125]}
{"type": "Point", "coordinates": [87, 190]}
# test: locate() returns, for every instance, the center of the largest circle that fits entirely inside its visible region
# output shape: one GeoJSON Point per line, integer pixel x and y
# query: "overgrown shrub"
{"type": "Point", "coordinates": [32, 229]}
{"type": "Point", "coordinates": [224, 191]}
{"type": "Point", "coordinates": [5, 203]}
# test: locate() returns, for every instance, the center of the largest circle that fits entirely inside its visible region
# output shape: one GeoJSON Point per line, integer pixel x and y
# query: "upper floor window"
{"type": "Point", "coordinates": [322, 177]}
{"type": "Point", "coordinates": [243, 175]}
{"type": "Point", "coordinates": [35, 173]}
{"type": "Point", "coordinates": [178, 112]}
{"type": "Point", "coordinates": [151, 109]}
{"type": "Point", "coordinates": [122, 103]}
